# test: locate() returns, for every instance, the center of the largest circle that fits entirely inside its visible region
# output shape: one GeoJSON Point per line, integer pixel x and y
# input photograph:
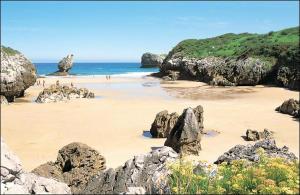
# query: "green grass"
{"type": "Point", "coordinates": [268, 176]}
{"type": "Point", "coordinates": [9, 51]}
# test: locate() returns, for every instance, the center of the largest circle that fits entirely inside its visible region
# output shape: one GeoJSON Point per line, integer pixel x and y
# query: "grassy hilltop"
{"type": "Point", "coordinates": [9, 51]}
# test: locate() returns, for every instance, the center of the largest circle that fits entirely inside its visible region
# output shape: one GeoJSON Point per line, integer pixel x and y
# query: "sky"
{"type": "Point", "coordinates": [122, 31]}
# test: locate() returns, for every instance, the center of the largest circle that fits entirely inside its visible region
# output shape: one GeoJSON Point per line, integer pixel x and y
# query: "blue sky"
{"type": "Point", "coordinates": [123, 31]}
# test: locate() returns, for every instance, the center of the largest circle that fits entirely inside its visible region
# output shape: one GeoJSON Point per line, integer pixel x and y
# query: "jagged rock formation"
{"type": "Point", "coordinates": [291, 107]}
{"type": "Point", "coordinates": [185, 137]}
{"type": "Point", "coordinates": [64, 66]}
{"type": "Point", "coordinates": [289, 77]}
{"type": "Point", "coordinates": [254, 135]}
{"type": "Point", "coordinates": [76, 163]}
{"type": "Point", "coordinates": [249, 152]}
{"type": "Point", "coordinates": [14, 180]}
{"type": "Point", "coordinates": [164, 122]}
{"type": "Point", "coordinates": [3, 99]}
{"type": "Point", "coordinates": [145, 173]}
{"type": "Point", "coordinates": [17, 73]}
{"type": "Point", "coordinates": [56, 93]}
{"type": "Point", "coordinates": [150, 60]}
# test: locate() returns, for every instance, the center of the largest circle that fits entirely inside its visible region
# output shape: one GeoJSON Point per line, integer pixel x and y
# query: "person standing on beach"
{"type": "Point", "coordinates": [43, 83]}
{"type": "Point", "coordinates": [57, 83]}
{"type": "Point", "coordinates": [72, 84]}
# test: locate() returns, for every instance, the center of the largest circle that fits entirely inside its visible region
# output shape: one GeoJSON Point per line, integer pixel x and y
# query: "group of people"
{"type": "Point", "coordinates": [107, 77]}
{"type": "Point", "coordinates": [39, 83]}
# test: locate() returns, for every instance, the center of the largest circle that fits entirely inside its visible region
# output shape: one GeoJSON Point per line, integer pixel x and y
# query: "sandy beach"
{"type": "Point", "coordinates": [117, 121]}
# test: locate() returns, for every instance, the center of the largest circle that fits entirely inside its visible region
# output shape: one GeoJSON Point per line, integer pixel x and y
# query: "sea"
{"type": "Point", "coordinates": [125, 69]}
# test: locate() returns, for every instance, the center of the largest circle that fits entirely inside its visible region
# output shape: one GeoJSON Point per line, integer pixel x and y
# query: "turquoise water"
{"type": "Point", "coordinates": [85, 69]}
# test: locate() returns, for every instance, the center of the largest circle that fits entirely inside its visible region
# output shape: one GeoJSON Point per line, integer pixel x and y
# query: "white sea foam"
{"type": "Point", "coordinates": [123, 75]}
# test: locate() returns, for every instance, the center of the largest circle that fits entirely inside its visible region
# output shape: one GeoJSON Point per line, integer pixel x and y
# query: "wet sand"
{"type": "Point", "coordinates": [116, 123]}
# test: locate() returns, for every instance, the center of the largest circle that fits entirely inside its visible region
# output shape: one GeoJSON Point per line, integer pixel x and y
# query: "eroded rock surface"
{"type": "Point", "coordinates": [254, 135]}
{"type": "Point", "coordinates": [249, 152]}
{"type": "Point", "coordinates": [17, 73]}
{"type": "Point", "coordinates": [150, 60]}
{"type": "Point", "coordinates": [290, 107]}
{"type": "Point", "coordinates": [14, 180]}
{"type": "Point", "coordinates": [3, 99]}
{"type": "Point", "coordinates": [64, 66]}
{"type": "Point", "coordinates": [57, 93]}
{"type": "Point", "coordinates": [76, 163]}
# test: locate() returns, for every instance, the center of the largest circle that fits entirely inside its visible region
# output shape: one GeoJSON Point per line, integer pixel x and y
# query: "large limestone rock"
{"type": "Point", "coordinates": [76, 163]}
{"type": "Point", "coordinates": [57, 93]}
{"type": "Point", "coordinates": [17, 73]}
{"type": "Point", "coordinates": [289, 77]}
{"type": "Point", "coordinates": [185, 137]}
{"type": "Point", "coordinates": [164, 122]}
{"type": "Point", "coordinates": [14, 180]}
{"type": "Point", "coordinates": [64, 66]}
{"type": "Point", "coordinates": [249, 152]}
{"type": "Point", "coordinates": [144, 173]}
{"type": "Point", "coordinates": [254, 135]}
{"type": "Point", "coordinates": [290, 106]}
{"type": "Point", "coordinates": [150, 60]}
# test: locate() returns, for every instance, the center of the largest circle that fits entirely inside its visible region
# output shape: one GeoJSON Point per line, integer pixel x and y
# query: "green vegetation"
{"type": "Point", "coordinates": [9, 50]}
{"type": "Point", "coordinates": [268, 176]}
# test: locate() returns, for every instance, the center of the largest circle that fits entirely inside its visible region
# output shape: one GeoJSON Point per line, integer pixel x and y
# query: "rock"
{"type": "Point", "coordinates": [254, 135]}
{"type": "Point", "coordinates": [64, 66]}
{"type": "Point", "coordinates": [249, 152]}
{"type": "Point", "coordinates": [289, 77]}
{"type": "Point", "coordinates": [171, 75]}
{"type": "Point", "coordinates": [290, 107]}
{"type": "Point", "coordinates": [150, 60]}
{"type": "Point", "coordinates": [163, 124]}
{"type": "Point", "coordinates": [14, 180]}
{"type": "Point", "coordinates": [17, 73]}
{"type": "Point", "coordinates": [3, 99]}
{"type": "Point", "coordinates": [185, 137]}
{"type": "Point", "coordinates": [76, 163]}
{"type": "Point", "coordinates": [147, 172]}
{"type": "Point", "coordinates": [56, 93]}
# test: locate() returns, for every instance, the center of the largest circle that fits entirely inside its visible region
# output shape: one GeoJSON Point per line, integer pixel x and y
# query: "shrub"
{"type": "Point", "coordinates": [268, 176]}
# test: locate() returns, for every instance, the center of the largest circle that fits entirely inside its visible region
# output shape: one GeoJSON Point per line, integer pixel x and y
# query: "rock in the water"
{"type": "Point", "coordinates": [56, 93]}
{"type": "Point", "coordinates": [76, 163]}
{"type": "Point", "coordinates": [254, 135]}
{"type": "Point", "coordinates": [64, 66]}
{"type": "Point", "coordinates": [3, 99]}
{"type": "Point", "coordinates": [185, 137]}
{"type": "Point", "coordinates": [147, 172]}
{"type": "Point", "coordinates": [150, 60]}
{"type": "Point", "coordinates": [17, 73]}
{"type": "Point", "coordinates": [249, 152]}
{"type": "Point", "coordinates": [163, 124]}
{"type": "Point", "coordinates": [290, 107]}
{"type": "Point", "coordinates": [14, 180]}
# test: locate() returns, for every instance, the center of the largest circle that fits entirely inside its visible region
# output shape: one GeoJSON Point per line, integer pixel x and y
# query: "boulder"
{"type": "Point", "coordinates": [185, 137]}
{"type": "Point", "coordinates": [254, 135]}
{"type": "Point", "coordinates": [14, 180]}
{"type": "Point", "coordinates": [56, 93]}
{"type": "Point", "coordinates": [17, 73]}
{"type": "Point", "coordinates": [76, 163]}
{"type": "Point", "coordinates": [290, 106]}
{"type": "Point", "coordinates": [249, 152]}
{"type": "Point", "coordinates": [163, 124]}
{"type": "Point", "coordinates": [64, 66]}
{"type": "Point", "coordinates": [150, 60]}
{"type": "Point", "coordinates": [144, 173]}
{"type": "Point", "coordinates": [3, 99]}
{"type": "Point", "coordinates": [289, 77]}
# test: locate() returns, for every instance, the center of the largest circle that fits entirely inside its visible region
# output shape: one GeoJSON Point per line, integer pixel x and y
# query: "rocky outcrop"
{"type": "Point", "coordinates": [76, 163]}
{"type": "Point", "coordinates": [164, 122]}
{"type": "Point", "coordinates": [215, 70]}
{"type": "Point", "coordinates": [150, 60]}
{"type": "Point", "coordinates": [290, 107]}
{"type": "Point", "coordinates": [254, 135]}
{"type": "Point", "coordinates": [185, 137]}
{"type": "Point", "coordinates": [17, 73]}
{"type": "Point", "coordinates": [64, 66]}
{"type": "Point", "coordinates": [144, 173]}
{"type": "Point", "coordinates": [3, 99]}
{"type": "Point", "coordinates": [250, 153]}
{"type": "Point", "coordinates": [57, 93]}
{"type": "Point", "coordinates": [14, 180]}
{"type": "Point", "coordinates": [289, 77]}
